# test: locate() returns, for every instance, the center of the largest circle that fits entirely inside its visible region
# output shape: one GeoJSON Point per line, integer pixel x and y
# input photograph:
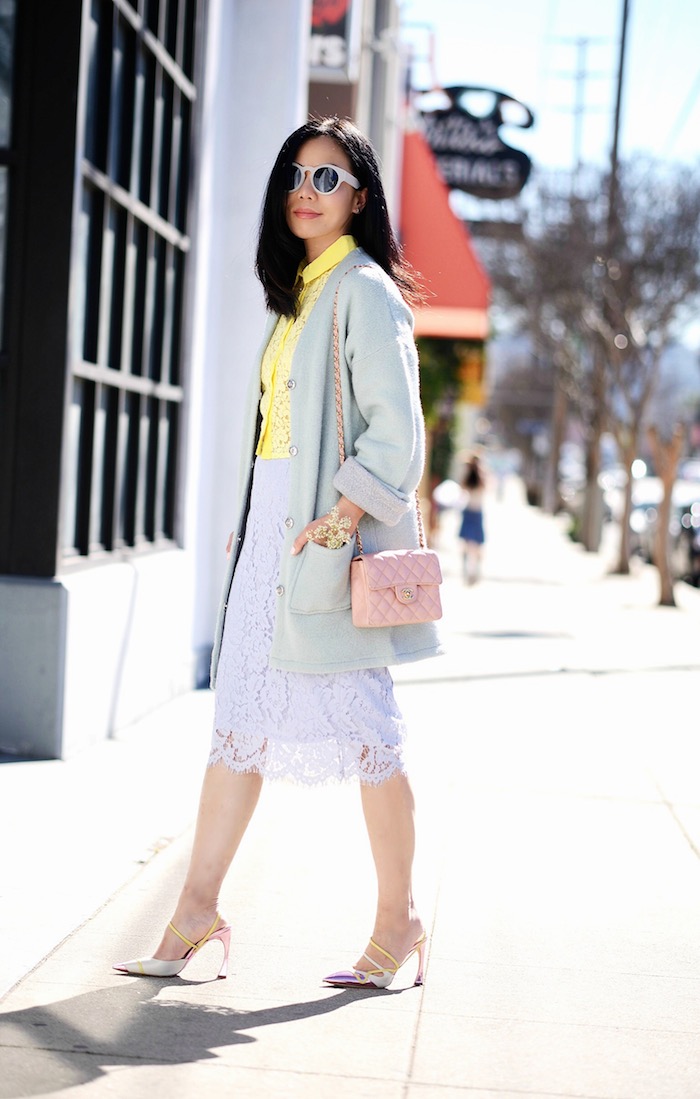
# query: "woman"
{"type": "Point", "coordinates": [300, 691]}
{"type": "Point", "coordinates": [471, 530]}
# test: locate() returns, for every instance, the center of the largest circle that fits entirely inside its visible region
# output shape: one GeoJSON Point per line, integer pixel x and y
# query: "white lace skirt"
{"type": "Point", "coordinates": [307, 727]}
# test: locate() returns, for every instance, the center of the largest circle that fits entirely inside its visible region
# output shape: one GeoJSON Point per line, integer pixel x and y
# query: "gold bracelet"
{"type": "Point", "coordinates": [334, 533]}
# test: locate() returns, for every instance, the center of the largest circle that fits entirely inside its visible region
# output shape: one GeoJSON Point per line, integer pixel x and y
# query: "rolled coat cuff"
{"type": "Point", "coordinates": [386, 504]}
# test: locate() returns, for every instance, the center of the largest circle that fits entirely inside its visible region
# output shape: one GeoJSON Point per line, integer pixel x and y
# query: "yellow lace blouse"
{"type": "Point", "coordinates": [277, 359]}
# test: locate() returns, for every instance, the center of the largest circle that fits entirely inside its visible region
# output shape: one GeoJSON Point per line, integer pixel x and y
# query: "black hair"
{"type": "Point", "coordinates": [473, 477]}
{"type": "Point", "coordinates": [279, 251]}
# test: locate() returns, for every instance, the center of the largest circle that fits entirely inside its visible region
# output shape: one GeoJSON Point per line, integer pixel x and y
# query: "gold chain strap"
{"type": "Point", "coordinates": [339, 411]}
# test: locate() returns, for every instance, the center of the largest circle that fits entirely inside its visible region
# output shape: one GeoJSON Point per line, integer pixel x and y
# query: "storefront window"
{"type": "Point", "coordinates": [3, 225]}
{"type": "Point", "coordinates": [130, 252]}
{"type": "Point", "coordinates": [8, 9]}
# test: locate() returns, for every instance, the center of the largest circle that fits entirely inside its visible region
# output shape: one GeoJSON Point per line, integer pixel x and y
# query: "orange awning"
{"type": "Point", "coordinates": [437, 244]}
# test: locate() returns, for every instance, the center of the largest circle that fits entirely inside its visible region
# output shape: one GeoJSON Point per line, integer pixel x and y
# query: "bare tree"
{"type": "Point", "coordinates": [603, 306]}
{"type": "Point", "coordinates": [544, 281]}
{"type": "Point", "coordinates": [648, 285]}
{"type": "Point", "coordinates": [519, 403]}
{"type": "Point", "coordinates": [667, 452]}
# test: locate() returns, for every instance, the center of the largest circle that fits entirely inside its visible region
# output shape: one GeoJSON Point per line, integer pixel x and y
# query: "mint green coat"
{"type": "Point", "coordinates": [385, 448]}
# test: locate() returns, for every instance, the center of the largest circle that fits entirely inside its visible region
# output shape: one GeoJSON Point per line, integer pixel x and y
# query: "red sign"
{"type": "Point", "coordinates": [328, 13]}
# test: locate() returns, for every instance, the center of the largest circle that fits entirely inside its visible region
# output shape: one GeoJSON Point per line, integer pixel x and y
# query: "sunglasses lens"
{"type": "Point", "coordinates": [326, 179]}
{"type": "Point", "coordinates": [294, 177]}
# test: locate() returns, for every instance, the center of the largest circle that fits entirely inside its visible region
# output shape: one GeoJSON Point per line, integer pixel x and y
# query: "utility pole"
{"type": "Point", "coordinates": [580, 101]}
{"type": "Point", "coordinates": [551, 500]}
{"type": "Point", "coordinates": [593, 510]}
{"type": "Point", "coordinates": [581, 75]}
{"type": "Point", "coordinates": [612, 194]}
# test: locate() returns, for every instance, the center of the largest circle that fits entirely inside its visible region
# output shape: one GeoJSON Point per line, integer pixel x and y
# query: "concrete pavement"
{"type": "Point", "coordinates": [555, 756]}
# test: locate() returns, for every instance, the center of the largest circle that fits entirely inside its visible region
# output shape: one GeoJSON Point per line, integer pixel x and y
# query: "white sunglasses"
{"type": "Point", "coordinates": [325, 179]}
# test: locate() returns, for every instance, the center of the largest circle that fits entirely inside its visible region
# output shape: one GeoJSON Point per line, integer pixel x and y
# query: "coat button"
{"type": "Point", "coordinates": [280, 589]}
{"type": "Point", "coordinates": [289, 522]}
{"type": "Point", "coordinates": [294, 450]}
{"type": "Point", "coordinates": [291, 384]}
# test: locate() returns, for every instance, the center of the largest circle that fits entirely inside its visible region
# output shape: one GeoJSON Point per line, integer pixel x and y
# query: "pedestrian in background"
{"type": "Point", "coordinates": [471, 529]}
{"type": "Point", "coordinates": [301, 693]}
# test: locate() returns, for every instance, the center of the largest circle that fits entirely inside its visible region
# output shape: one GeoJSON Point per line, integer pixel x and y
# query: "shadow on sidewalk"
{"type": "Point", "coordinates": [71, 1042]}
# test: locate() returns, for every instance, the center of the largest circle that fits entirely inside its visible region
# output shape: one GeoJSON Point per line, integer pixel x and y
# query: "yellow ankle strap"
{"type": "Point", "coordinates": [195, 946]}
{"type": "Point", "coordinates": [386, 954]}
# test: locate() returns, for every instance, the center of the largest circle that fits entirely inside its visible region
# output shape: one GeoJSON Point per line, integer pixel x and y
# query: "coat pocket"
{"type": "Point", "coordinates": [322, 582]}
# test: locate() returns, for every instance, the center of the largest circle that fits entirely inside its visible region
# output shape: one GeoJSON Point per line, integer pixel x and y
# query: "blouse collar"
{"type": "Point", "coordinates": [329, 259]}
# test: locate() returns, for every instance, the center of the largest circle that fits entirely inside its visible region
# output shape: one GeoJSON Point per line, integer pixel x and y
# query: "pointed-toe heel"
{"type": "Point", "coordinates": [156, 967]}
{"type": "Point", "coordinates": [380, 976]}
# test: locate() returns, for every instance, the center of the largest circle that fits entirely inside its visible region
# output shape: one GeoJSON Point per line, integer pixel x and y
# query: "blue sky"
{"type": "Point", "coordinates": [529, 51]}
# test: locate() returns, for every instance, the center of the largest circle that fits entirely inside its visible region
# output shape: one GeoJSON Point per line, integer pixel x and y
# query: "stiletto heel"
{"type": "Point", "coordinates": [155, 967]}
{"type": "Point", "coordinates": [224, 936]}
{"type": "Point", "coordinates": [381, 976]}
{"type": "Point", "coordinates": [420, 947]}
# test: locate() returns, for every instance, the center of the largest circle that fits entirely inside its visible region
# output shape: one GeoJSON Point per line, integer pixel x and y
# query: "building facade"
{"type": "Point", "coordinates": [135, 140]}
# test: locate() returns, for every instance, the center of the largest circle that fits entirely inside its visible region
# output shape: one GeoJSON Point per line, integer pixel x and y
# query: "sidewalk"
{"type": "Point", "coordinates": [554, 753]}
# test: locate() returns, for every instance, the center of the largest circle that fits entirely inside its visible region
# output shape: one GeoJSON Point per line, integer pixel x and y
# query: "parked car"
{"type": "Point", "coordinates": [689, 470]}
{"type": "Point", "coordinates": [642, 527]}
{"type": "Point", "coordinates": [684, 526]}
{"type": "Point", "coordinates": [647, 493]}
{"type": "Point", "coordinates": [685, 553]}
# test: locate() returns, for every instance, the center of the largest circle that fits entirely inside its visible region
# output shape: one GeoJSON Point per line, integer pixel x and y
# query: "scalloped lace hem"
{"type": "Point", "coordinates": [314, 766]}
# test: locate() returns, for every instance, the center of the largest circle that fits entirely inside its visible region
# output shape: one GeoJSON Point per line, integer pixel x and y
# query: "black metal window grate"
{"type": "Point", "coordinates": [8, 18]}
{"type": "Point", "coordinates": [128, 268]}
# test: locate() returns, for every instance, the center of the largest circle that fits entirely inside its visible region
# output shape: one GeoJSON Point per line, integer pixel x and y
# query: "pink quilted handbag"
{"type": "Point", "coordinates": [393, 587]}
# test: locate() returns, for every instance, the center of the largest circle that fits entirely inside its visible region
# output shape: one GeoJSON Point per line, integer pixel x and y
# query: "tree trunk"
{"type": "Point", "coordinates": [666, 457]}
{"type": "Point", "coordinates": [623, 560]}
{"type": "Point", "coordinates": [666, 596]}
{"type": "Point", "coordinates": [592, 521]}
{"type": "Point", "coordinates": [551, 501]}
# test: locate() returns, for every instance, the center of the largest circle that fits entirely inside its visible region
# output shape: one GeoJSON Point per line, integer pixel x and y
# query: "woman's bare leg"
{"type": "Point", "coordinates": [226, 805]}
{"type": "Point", "coordinates": [471, 570]}
{"type": "Point", "coordinates": [389, 815]}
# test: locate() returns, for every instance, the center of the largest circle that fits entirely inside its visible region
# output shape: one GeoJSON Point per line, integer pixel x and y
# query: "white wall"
{"type": "Point", "coordinates": [254, 94]}
{"type": "Point", "coordinates": [127, 643]}
{"type": "Point", "coordinates": [380, 94]}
